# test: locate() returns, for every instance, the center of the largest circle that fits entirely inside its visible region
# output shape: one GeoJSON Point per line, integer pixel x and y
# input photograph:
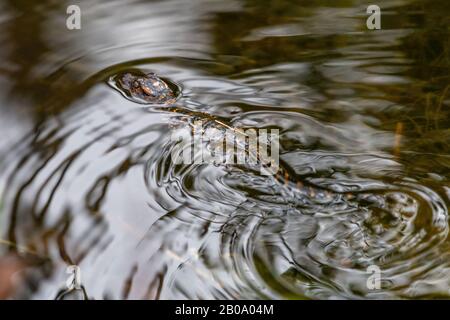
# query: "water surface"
{"type": "Point", "coordinates": [87, 179]}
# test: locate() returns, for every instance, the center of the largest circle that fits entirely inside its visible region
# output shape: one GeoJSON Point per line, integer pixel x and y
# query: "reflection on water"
{"type": "Point", "coordinates": [87, 178]}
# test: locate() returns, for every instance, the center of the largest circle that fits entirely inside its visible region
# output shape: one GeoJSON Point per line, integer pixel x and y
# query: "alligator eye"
{"type": "Point", "coordinates": [155, 83]}
{"type": "Point", "coordinates": [147, 90]}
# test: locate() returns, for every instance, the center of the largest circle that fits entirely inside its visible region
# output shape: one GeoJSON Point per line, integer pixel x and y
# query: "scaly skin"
{"type": "Point", "coordinates": [150, 89]}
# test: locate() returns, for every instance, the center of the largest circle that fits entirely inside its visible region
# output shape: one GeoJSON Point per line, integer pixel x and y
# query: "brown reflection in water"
{"type": "Point", "coordinates": [393, 85]}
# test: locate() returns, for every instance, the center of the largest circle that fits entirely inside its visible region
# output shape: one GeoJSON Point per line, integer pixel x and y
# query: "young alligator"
{"type": "Point", "coordinates": [153, 90]}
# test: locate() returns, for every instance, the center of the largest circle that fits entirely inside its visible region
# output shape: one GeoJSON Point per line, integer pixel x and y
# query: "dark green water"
{"type": "Point", "coordinates": [86, 177]}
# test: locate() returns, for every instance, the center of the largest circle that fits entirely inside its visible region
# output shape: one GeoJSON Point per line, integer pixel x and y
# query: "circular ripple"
{"type": "Point", "coordinates": [96, 186]}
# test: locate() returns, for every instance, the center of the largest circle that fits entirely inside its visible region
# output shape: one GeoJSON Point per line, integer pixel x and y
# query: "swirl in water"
{"type": "Point", "coordinates": [96, 187]}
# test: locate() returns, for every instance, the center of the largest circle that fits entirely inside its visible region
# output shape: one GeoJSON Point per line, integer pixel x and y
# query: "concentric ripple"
{"type": "Point", "coordinates": [96, 186]}
{"type": "Point", "coordinates": [279, 242]}
{"type": "Point", "coordinates": [87, 171]}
